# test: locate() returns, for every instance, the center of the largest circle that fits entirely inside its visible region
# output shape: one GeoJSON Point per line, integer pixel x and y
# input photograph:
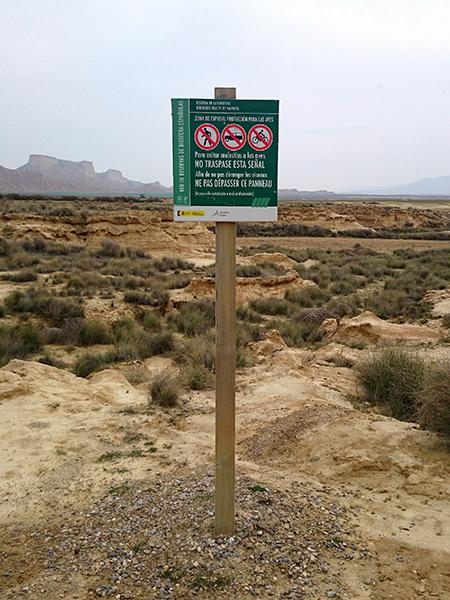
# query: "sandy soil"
{"type": "Point", "coordinates": [331, 243]}
{"type": "Point", "coordinates": [67, 441]}
{"type": "Point", "coordinates": [440, 300]}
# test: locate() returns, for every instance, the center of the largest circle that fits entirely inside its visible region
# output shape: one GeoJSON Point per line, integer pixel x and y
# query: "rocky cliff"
{"type": "Point", "coordinates": [49, 175]}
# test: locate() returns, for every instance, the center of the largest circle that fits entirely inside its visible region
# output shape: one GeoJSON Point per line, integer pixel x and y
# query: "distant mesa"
{"type": "Point", "coordinates": [49, 175]}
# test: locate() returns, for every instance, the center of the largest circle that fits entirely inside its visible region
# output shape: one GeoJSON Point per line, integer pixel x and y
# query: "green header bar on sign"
{"type": "Point", "coordinates": [225, 159]}
{"type": "Point", "coordinates": [181, 170]}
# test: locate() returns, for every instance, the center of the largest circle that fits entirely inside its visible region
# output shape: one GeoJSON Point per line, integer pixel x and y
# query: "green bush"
{"type": "Point", "coordinates": [109, 249]}
{"type": "Point", "coordinates": [157, 298]}
{"type": "Point", "coordinates": [197, 376]}
{"type": "Point", "coordinates": [41, 303]}
{"type": "Point", "coordinates": [131, 282]}
{"type": "Point", "coordinates": [243, 358]}
{"type": "Point", "coordinates": [20, 277]}
{"type": "Point", "coordinates": [126, 351]}
{"type": "Point", "coordinates": [124, 328]}
{"type": "Point", "coordinates": [196, 356]}
{"type": "Point", "coordinates": [270, 306]}
{"type": "Point", "coordinates": [311, 296]}
{"type": "Point", "coordinates": [392, 378]}
{"type": "Point", "coordinates": [90, 362]}
{"type": "Point", "coordinates": [5, 247]}
{"type": "Point", "coordinates": [390, 303]}
{"type": "Point", "coordinates": [296, 332]}
{"type": "Point", "coordinates": [87, 281]}
{"type": "Point", "coordinates": [434, 402]}
{"type": "Point", "coordinates": [18, 341]}
{"type": "Point", "coordinates": [199, 350]}
{"type": "Point", "coordinates": [167, 263]}
{"type": "Point", "coordinates": [134, 297]}
{"type": "Point", "coordinates": [161, 342]}
{"type": "Point", "coordinates": [245, 313]}
{"type": "Point", "coordinates": [174, 281]}
{"type": "Point", "coordinates": [133, 341]}
{"type": "Point", "coordinates": [195, 318]}
{"type": "Point", "coordinates": [48, 359]}
{"type": "Point", "coordinates": [95, 332]}
{"type": "Point", "coordinates": [249, 271]}
{"type": "Point", "coordinates": [165, 389]}
{"type": "Point", "coordinates": [35, 245]}
{"type": "Point", "coordinates": [150, 321]}
{"type": "Point", "coordinates": [349, 306]}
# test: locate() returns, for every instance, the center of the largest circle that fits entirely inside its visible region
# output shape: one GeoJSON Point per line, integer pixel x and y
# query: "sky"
{"type": "Point", "coordinates": [364, 85]}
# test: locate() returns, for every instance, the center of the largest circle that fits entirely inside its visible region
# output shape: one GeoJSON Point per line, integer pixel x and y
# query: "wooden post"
{"type": "Point", "coordinates": [225, 366]}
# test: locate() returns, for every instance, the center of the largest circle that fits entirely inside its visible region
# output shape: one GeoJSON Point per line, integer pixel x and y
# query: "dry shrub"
{"type": "Point", "coordinates": [20, 277]}
{"type": "Point", "coordinates": [40, 302]}
{"type": "Point", "coordinates": [434, 404]}
{"type": "Point", "coordinates": [90, 362]}
{"type": "Point", "coordinates": [197, 376]}
{"type": "Point", "coordinates": [95, 332]}
{"type": "Point", "coordinates": [296, 332]}
{"type": "Point", "coordinates": [196, 357]}
{"type": "Point", "coordinates": [392, 379]}
{"type": "Point", "coordinates": [314, 315]}
{"type": "Point", "coordinates": [136, 374]}
{"type": "Point", "coordinates": [165, 389]}
{"type": "Point", "coordinates": [150, 321]}
{"type": "Point", "coordinates": [18, 341]}
{"type": "Point", "coordinates": [195, 318]}
{"type": "Point", "coordinates": [270, 306]}
{"type": "Point", "coordinates": [446, 321]}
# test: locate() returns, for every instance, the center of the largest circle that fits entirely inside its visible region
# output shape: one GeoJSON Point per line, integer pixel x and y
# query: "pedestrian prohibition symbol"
{"type": "Point", "coordinates": [206, 136]}
{"type": "Point", "coordinates": [260, 137]}
{"type": "Point", "coordinates": [233, 137]}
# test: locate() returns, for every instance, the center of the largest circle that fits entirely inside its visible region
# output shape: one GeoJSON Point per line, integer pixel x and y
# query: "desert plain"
{"type": "Point", "coordinates": [106, 487]}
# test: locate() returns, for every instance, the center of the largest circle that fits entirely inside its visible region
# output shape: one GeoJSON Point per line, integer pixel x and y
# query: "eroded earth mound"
{"type": "Point", "coordinates": [367, 327]}
{"type": "Point", "coordinates": [247, 288]}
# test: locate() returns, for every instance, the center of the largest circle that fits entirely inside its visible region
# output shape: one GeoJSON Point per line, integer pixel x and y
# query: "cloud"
{"type": "Point", "coordinates": [363, 86]}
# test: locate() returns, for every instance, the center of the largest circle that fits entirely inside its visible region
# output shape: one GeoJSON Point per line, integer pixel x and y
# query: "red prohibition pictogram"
{"type": "Point", "coordinates": [260, 137]}
{"type": "Point", "coordinates": [206, 136]}
{"type": "Point", "coordinates": [233, 137]}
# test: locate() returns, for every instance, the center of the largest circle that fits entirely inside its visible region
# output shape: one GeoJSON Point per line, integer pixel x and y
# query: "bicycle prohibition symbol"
{"type": "Point", "coordinates": [233, 137]}
{"type": "Point", "coordinates": [207, 136]}
{"type": "Point", "coordinates": [260, 137]}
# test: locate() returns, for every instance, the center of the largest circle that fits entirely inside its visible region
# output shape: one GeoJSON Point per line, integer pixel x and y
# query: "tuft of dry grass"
{"type": "Point", "coordinates": [165, 389]}
{"type": "Point", "coordinates": [136, 374]}
{"type": "Point", "coordinates": [196, 357]}
{"type": "Point", "coordinates": [434, 402]}
{"type": "Point", "coordinates": [392, 378]}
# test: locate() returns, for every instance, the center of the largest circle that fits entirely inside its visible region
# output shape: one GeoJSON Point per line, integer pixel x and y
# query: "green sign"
{"type": "Point", "coordinates": [225, 159]}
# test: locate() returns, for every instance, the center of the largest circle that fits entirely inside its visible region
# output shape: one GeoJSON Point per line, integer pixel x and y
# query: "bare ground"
{"type": "Point", "coordinates": [75, 448]}
{"type": "Point", "coordinates": [332, 243]}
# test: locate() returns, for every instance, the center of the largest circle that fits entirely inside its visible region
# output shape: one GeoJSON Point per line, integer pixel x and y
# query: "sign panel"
{"type": "Point", "coordinates": [225, 159]}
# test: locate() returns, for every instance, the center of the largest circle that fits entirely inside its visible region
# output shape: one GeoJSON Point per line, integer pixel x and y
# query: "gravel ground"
{"type": "Point", "coordinates": [156, 542]}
